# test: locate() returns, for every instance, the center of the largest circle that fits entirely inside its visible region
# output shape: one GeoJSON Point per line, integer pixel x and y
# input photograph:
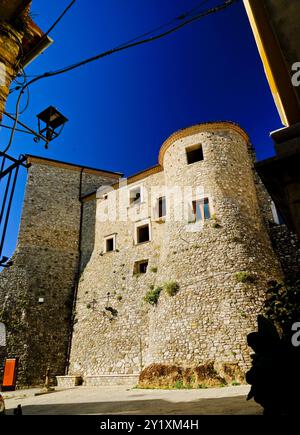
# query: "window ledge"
{"type": "Point", "coordinates": [142, 243]}
{"type": "Point", "coordinates": [136, 205]}
{"type": "Point", "coordinates": [160, 220]}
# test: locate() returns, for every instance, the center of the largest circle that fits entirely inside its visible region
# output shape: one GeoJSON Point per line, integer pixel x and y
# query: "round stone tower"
{"type": "Point", "coordinates": [204, 230]}
{"type": "Point", "coordinates": [219, 253]}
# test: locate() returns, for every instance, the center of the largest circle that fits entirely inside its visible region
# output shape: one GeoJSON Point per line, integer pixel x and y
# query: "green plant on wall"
{"type": "Point", "coordinates": [171, 288]}
{"type": "Point", "coordinates": [282, 306]}
{"type": "Point", "coordinates": [152, 295]}
{"type": "Point", "coordinates": [216, 222]}
{"type": "Point", "coordinates": [153, 269]}
{"type": "Point", "coordinates": [245, 277]}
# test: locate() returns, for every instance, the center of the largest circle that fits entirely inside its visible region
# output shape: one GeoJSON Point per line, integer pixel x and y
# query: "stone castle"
{"type": "Point", "coordinates": [92, 246]}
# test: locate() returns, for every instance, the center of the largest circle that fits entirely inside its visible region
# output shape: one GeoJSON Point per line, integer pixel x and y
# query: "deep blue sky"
{"type": "Point", "coordinates": [123, 107]}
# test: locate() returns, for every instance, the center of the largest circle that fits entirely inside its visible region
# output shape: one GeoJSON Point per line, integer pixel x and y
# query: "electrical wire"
{"type": "Point", "coordinates": [23, 85]}
{"type": "Point", "coordinates": [59, 18]}
{"type": "Point", "coordinates": [69, 68]}
{"type": "Point", "coordinates": [137, 43]}
{"type": "Point", "coordinates": [143, 35]}
{"type": "Point", "coordinates": [53, 25]}
{"type": "Point", "coordinates": [28, 94]}
{"type": "Point", "coordinates": [162, 26]}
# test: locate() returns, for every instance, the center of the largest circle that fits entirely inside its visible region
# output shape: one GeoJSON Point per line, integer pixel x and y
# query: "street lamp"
{"type": "Point", "coordinates": [50, 120]}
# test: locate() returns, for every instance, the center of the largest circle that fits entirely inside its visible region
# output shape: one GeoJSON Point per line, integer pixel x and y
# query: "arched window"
{"type": "Point", "coordinates": [2, 335]}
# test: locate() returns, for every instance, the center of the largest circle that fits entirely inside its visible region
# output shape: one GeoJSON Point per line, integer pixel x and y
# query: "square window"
{"type": "Point", "coordinates": [135, 196]}
{"type": "Point", "coordinates": [194, 154]}
{"type": "Point", "coordinates": [201, 210]}
{"type": "Point", "coordinates": [143, 234]}
{"type": "Point", "coordinates": [140, 267]}
{"type": "Point", "coordinates": [110, 244]}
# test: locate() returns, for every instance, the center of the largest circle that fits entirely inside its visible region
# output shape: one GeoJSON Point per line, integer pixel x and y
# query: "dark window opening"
{"type": "Point", "coordinates": [194, 154]}
{"type": "Point", "coordinates": [143, 234]}
{"type": "Point", "coordinates": [135, 196]}
{"type": "Point", "coordinates": [110, 245]}
{"type": "Point", "coordinates": [281, 220]}
{"type": "Point", "coordinates": [162, 207]}
{"type": "Point", "coordinates": [140, 267]}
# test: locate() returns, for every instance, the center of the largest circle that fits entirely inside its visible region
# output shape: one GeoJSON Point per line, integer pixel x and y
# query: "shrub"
{"type": "Point", "coordinates": [172, 288]}
{"type": "Point", "coordinates": [178, 385]}
{"type": "Point", "coordinates": [163, 376]}
{"type": "Point", "coordinates": [245, 277]}
{"type": "Point", "coordinates": [119, 298]}
{"type": "Point", "coordinates": [154, 269]}
{"type": "Point", "coordinates": [282, 306]}
{"type": "Point", "coordinates": [152, 296]}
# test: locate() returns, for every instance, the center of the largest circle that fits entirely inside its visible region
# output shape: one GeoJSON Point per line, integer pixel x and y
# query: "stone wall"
{"type": "Point", "coordinates": [36, 293]}
{"type": "Point", "coordinates": [116, 333]}
{"type": "Point", "coordinates": [88, 231]}
{"type": "Point", "coordinates": [287, 247]}
{"type": "Point", "coordinates": [10, 41]}
{"type": "Point", "coordinates": [209, 318]}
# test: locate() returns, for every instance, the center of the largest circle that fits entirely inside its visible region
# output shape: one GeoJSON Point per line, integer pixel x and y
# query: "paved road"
{"type": "Point", "coordinates": [121, 400]}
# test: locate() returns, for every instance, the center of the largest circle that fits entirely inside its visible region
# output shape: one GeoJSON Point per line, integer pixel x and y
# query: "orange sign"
{"type": "Point", "coordinates": [10, 374]}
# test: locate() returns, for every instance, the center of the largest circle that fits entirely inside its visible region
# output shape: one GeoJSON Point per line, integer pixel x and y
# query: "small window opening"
{"type": "Point", "coordinates": [135, 196]}
{"type": "Point", "coordinates": [143, 234]}
{"type": "Point", "coordinates": [110, 245]}
{"type": "Point", "coordinates": [201, 210]}
{"type": "Point", "coordinates": [278, 219]}
{"type": "Point", "coordinates": [194, 154]}
{"type": "Point", "coordinates": [162, 211]}
{"type": "Point", "coordinates": [140, 267]}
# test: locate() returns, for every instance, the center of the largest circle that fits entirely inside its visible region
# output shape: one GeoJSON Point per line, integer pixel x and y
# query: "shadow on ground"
{"type": "Point", "coordinates": [222, 406]}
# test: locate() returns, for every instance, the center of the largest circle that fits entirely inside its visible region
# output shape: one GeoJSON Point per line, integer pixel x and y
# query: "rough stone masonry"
{"type": "Point", "coordinates": [116, 332]}
{"type": "Point", "coordinates": [10, 54]}
{"type": "Point", "coordinates": [36, 293]}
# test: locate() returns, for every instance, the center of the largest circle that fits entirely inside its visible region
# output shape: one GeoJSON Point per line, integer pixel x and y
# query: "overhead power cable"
{"type": "Point", "coordinates": [53, 25]}
{"type": "Point", "coordinates": [162, 26]}
{"type": "Point", "coordinates": [137, 43]}
{"type": "Point", "coordinates": [120, 48]}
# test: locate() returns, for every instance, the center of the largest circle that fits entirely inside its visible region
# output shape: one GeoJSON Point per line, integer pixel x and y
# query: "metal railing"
{"type": "Point", "coordinates": [9, 171]}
